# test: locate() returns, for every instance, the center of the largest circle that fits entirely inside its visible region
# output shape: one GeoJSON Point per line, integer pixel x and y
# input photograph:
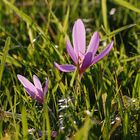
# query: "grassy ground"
{"type": "Point", "coordinates": [105, 104]}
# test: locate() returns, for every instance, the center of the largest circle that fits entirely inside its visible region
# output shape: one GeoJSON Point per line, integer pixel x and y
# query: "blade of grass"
{"type": "Point", "coordinates": [24, 123]}
{"type": "Point", "coordinates": [3, 59]}
{"type": "Point", "coordinates": [1, 130]}
{"type": "Point", "coordinates": [104, 14]}
{"type": "Point", "coordinates": [127, 5]}
{"type": "Point", "coordinates": [66, 21]}
{"type": "Point", "coordinates": [117, 31]}
{"type": "Point", "coordinates": [131, 59]}
{"type": "Point", "coordinates": [11, 106]}
{"type": "Point", "coordinates": [136, 88]}
{"type": "Point", "coordinates": [73, 78]}
{"type": "Point", "coordinates": [125, 126]}
{"type": "Point", "coordinates": [82, 134]}
{"type": "Point", "coordinates": [10, 60]}
{"type": "Point", "coordinates": [47, 120]}
{"type": "Point", "coordinates": [10, 35]}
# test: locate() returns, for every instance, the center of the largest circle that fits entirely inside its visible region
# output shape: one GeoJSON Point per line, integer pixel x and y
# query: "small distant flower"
{"type": "Point", "coordinates": [34, 90]}
{"type": "Point", "coordinates": [82, 57]}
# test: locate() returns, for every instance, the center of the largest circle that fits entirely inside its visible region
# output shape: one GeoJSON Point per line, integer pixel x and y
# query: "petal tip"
{"type": "Point", "coordinates": [55, 64]}
{"type": "Point", "coordinates": [79, 20]}
{"type": "Point", "coordinates": [20, 77]}
{"type": "Point", "coordinates": [112, 42]}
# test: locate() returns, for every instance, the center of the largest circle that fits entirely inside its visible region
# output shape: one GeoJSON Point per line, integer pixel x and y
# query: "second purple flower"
{"type": "Point", "coordinates": [34, 90]}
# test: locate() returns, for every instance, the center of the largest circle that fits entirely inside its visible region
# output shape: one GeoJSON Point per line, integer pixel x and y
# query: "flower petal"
{"type": "Point", "coordinates": [71, 52]}
{"type": "Point", "coordinates": [86, 62]}
{"type": "Point", "coordinates": [65, 68]}
{"type": "Point", "coordinates": [28, 86]}
{"type": "Point", "coordinates": [94, 43]}
{"type": "Point", "coordinates": [78, 36]}
{"type": "Point", "coordinates": [37, 83]}
{"type": "Point", "coordinates": [46, 86]}
{"type": "Point", "coordinates": [103, 53]}
{"type": "Point", "coordinates": [39, 99]}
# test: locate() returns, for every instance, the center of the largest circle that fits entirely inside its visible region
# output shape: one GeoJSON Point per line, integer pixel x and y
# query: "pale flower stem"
{"type": "Point", "coordinates": [78, 88]}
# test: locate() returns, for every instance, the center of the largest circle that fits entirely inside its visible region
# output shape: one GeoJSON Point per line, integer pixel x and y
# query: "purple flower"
{"type": "Point", "coordinates": [35, 91]}
{"type": "Point", "coordinates": [83, 57]}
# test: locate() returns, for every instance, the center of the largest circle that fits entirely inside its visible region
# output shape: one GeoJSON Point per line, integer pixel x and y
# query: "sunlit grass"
{"type": "Point", "coordinates": [105, 104]}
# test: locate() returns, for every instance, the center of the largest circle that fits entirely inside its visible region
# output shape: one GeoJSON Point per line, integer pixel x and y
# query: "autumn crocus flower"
{"type": "Point", "coordinates": [34, 90]}
{"type": "Point", "coordinates": [83, 57]}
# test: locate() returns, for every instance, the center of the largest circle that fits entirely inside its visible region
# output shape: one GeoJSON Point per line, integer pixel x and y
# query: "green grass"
{"type": "Point", "coordinates": [105, 104]}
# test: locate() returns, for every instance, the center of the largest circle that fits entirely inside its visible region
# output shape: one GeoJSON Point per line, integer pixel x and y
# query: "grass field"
{"type": "Point", "coordinates": [102, 104]}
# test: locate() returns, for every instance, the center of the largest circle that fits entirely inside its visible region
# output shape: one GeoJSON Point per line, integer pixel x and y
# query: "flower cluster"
{"type": "Point", "coordinates": [82, 57]}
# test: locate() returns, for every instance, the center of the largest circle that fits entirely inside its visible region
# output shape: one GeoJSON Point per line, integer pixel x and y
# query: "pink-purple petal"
{"type": "Point", "coordinates": [37, 83]}
{"type": "Point", "coordinates": [78, 36]}
{"type": "Point", "coordinates": [39, 98]}
{"type": "Point", "coordinates": [34, 95]}
{"type": "Point", "coordinates": [86, 62]}
{"type": "Point", "coordinates": [103, 53]}
{"type": "Point", "coordinates": [65, 68]}
{"type": "Point", "coordinates": [30, 92]}
{"type": "Point", "coordinates": [71, 52]}
{"type": "Point", "coordinates": [28, 86]}
{"type": "Point", "coordinates": [94, 43]}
